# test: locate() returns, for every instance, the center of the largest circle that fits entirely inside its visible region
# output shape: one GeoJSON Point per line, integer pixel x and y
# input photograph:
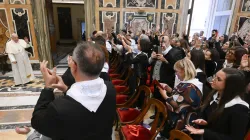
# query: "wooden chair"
{"type": "Point", "coordinates": [120, 82]}
{"type": "Point", "coordinates": [126, 116]}
{"type": "Point", "coordinates": [179, 135]}
{"type": "Point", "coordinates": [123, 92]}
{"type": "Point", "coordinates": [144, 133]}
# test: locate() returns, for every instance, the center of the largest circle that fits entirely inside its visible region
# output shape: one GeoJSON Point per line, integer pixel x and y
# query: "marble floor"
{"type": "Point", "coordinates": [17, 103]}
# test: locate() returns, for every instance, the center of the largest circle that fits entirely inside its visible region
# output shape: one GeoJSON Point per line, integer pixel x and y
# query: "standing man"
{"type": "Point", "coordinates": [163, 65]}
{"type": "Point", "coordinates": [88, 110]}
{"type": "Point", "coordinates": [21, 67]}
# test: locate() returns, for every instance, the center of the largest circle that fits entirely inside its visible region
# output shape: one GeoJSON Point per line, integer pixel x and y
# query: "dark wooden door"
{"type": "Point", "coordinates": [65, 23]}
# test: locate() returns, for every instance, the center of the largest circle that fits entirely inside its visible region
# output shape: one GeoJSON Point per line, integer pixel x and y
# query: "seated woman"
{"type": "Point", "coordinates": [225, 114]}
{"type": "Point", "coordinates": [185, 97]}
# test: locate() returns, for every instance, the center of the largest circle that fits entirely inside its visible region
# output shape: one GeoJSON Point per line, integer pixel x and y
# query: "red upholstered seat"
{"type": "Point", "coordinates": [120, 99]}
{"type": "Point", "coordinates": [114, 75]}
{"type": "Point", "coordinates": [117, 82]}
{"type": "Point", "coordinates": [148, 77]}
{"type": "Point", "coordinates": [111, 70]}
{"type": "Point", "coordinates": [144, 133]}
{"type": "Point", "coordinates": [128, 115]}
{"type": "Point", "coordinates": [152, 89]}
{"type": "Point", "coordinates": [120, 89]}
{"type": "Point", "coordinates": [149, 69]}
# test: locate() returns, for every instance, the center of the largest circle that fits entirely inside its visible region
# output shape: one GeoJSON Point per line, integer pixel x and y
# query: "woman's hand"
{"type": "Point", "coordinates": [163, 92]}
{"type": "Point", "coordinates": [166, 87]}
{"type": "Point", "coordinates": [200, 122]}
{"type": "Point", "coordinates": [193, 130]}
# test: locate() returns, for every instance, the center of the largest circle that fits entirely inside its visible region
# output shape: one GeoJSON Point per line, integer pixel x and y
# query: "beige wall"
{"type": "Point", "coordinates": [77, 15]}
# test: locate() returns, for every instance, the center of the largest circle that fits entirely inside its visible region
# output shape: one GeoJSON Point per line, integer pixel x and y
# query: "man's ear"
{"type": "Point", "coordinates": [73, 67]}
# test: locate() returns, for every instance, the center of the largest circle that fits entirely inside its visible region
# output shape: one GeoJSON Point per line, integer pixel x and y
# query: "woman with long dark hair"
{"type": "Point", "coordinates": [225, 114]}
{"type": "Point", "coordinates": [198, 59]}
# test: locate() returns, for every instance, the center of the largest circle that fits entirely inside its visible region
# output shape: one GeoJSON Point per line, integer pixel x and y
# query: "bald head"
{"type": "Point", "coordinates": [89, 58]}
{"type": "Point", "coordinates": [164, 42]}
{"type": "Point", "coordinates": [14, 37]}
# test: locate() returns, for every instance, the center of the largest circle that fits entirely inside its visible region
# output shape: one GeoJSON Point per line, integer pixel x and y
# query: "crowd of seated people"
{"type": "Point", "coordinates": [204, 85]}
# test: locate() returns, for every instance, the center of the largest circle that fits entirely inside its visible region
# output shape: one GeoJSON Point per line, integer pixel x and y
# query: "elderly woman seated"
{"type": "Point", "coordinates": [184, 98]}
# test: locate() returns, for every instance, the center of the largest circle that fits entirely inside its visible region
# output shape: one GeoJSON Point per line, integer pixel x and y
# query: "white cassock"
{"type": "Point", "coordinates": [22, 70]}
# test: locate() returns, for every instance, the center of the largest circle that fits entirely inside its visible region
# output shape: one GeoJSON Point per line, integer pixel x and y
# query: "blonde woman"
{"type": "Point", "coordinates": [184, 98]}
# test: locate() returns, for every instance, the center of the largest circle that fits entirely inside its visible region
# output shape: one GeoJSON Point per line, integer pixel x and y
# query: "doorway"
{"type": "Point", "coordinates": [83, 31]}
{"type": "Point", "coordinates": [65, 23]}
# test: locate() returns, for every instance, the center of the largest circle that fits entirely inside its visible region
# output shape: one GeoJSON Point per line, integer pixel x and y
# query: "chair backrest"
{"type": "Point", "coordinates": [141, 90]}
{"type": "Point", "coordinates": [161, 110]}
{"type": "Point", "coordinates": [179, 135]}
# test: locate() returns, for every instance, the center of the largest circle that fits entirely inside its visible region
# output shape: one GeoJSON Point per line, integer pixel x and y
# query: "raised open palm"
{"type": "Point", "coordinates": [193, 130]}
{"type": "Point", "coordinates": [244, 61]}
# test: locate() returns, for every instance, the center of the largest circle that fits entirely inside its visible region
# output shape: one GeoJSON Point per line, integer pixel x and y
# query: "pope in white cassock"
{"type": "Point", "coordinates": [21, 67]}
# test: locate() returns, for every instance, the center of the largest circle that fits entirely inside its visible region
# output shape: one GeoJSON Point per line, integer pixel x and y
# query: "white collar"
{"type": "Point", "coordinates": [140, 53]}
{"type": "Point", "coordinates": [167, 50]}
{"type": "Point", "coordinates": [215, 98]}
{"type": "Point", "coordinates": [105, 67]}
{"type": "Point", "coordinates": [195, 82]}
{"type": "Point", "coordinates": [236, 100]}
{"type": "Point", "coordinates": [198, 70]}
{"type": "Point", "coordinates": [89, 93]}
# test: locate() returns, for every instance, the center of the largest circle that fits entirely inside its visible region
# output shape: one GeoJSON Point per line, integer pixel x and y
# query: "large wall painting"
{"type": "Point", "coordinates": [245, 6]}
{"type": "Point", "coordinates": [244, 28]}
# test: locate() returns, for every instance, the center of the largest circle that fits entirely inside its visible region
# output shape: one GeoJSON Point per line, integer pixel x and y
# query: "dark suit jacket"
{"type": "Point", "coordinates": [167, 73]}
{"type": "Point", "coordinates": [140, 64]}
{"type": "Point", "coordinates": [66, 119]}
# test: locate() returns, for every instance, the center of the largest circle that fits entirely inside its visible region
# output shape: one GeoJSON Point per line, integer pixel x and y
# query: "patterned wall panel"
{"type": "Point", "coordinates": [17, 1]}
{"type": "Point", "coordinates": [109, 21]}
{"type": "Point", "coordinates": [21, 22]}
{"type": "Point", "coordinates": [139, 14]}
{"type": "Point", "coordinates": [170, 4]}
{"type": "Point", "coordinates": [4, 31]}
{"type": "Point", "coordinates": [139, 21]}
{"type": "Point", "coordinates": [141, 3]}
{"type": "Point", "coordinates": [109, 3]}
{"type": "Point", "coordinates": [169, 22]}
{"type": "Point", "coordinates": [245, 7]}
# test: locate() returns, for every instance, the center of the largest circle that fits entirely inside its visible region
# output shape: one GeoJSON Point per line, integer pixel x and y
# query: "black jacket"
{"type": "Point", "coordinates": [167, 73]}
{"type": "Point", "coordinates": [140, 64]}
{"type": "Point", "coordinates": [231, 125]}
{"type": "Point", "coordinates": [66, 119]}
